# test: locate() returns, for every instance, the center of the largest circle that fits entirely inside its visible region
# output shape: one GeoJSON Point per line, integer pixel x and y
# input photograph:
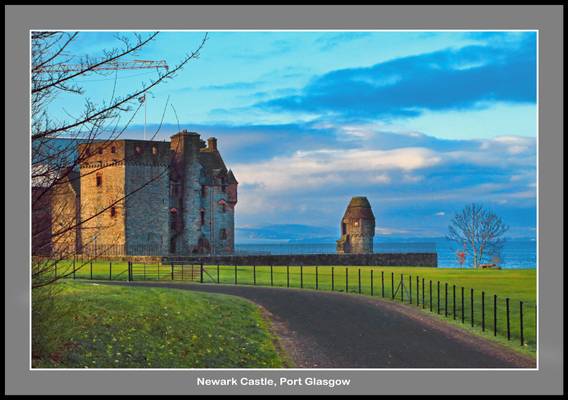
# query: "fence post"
{"type": "Point", "coordinates": [218, 275]}
{"type": "Point", "coordinates": [110, 270]}
{"type": "Point", "coordinates": [74, 267]}
{"type": "Point", "coordinates": [359, 273]}
{"type": "Point", "coordinates": [383, 283]}
{"type": "Point", "coordinates": [521, 322]}
{"type": "Point", "coordinates": [438, 297]}
{"type": "Point", "coordinates": [463, 307]}
{"type": "Point", "coordinates": [332, 278]}
{"type": "Point", "coordinates": [410, 287]}
{"type": "Point", "coordinates": [346, 281]}
{"type": "Point", "coordinates": [508, 319]}
{"type": "Point", "coordinates": [446, 299]}
{"type": "Point", "coordinates": [423, 305]}
{"type": "Point", "coordinates": [301, 276]}
{"type": "Point", "coordinates": [371, 282]}
{"type": "Point", "coordinates": [172, 271]}
{"type": "Point", "coordinates": [287, 276]}
{"type": "Point", "coordinates": [55, 270]}
{"type": "Point", "coordinates": [482, 311]}
{"type": "Point", "coordinates": [91, 270]}
{"type": "Point", "coordinates": [494, 315]}
{"type": "Point", "coordinates": [317, 278]}
{"type": "Point", "coordinates": [402, 288]}
{"type": "Point", "coordinates": [417, 291]}
{"type": "Point", "coordinates": [159, 271]}
{"type": "Point", "coordinates": [430, 295]}
{"type": "Point", "coordinates": [235, 273]}
{"type": "Point", "coordinates": [271, 276]}
{"type": "Point", "coordinates": [454, 301]}
{"type": "Point", "coordinates": [392, 285]}
{"type": "Point", "coordinates": [201, 272]}
{"type": "Point", "coordinates": [254, 274]}
{"type": "Point", "coordinates": [471, 305]}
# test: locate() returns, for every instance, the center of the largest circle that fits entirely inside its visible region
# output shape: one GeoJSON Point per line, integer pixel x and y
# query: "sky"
{"type": "Point", "coordinates": [419, 122]}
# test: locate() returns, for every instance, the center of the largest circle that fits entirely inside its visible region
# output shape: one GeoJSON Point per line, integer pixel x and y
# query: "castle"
{"type": "Point", "coordinates": [357, 227]}
{"type": "Point", "coordinates": [141, 197]}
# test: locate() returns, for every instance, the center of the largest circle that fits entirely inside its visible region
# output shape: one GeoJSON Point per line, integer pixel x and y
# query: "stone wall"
{"type": "Point", "coordinates": [106, 229]}
{"type": "Point", "coordinates": [216, 219]}
{"type": "Point", "coordinates": [147, 209]}
{"type": "Point", "coordinates": [378, 259]}
{"type": "Point", "coordinates": [65, 211]}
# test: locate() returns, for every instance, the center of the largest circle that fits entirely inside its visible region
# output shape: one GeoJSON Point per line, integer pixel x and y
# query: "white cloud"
{"type": "Point", "coordinates": [326, 166]}
{"type": "Point", "coordinates": [440, 214]}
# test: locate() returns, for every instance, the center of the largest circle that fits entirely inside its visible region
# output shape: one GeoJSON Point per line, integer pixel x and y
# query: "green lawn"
{"type": "Point", "coordinates": [133, 327]}
{"type": "Point", "coordinates": [516, 285]}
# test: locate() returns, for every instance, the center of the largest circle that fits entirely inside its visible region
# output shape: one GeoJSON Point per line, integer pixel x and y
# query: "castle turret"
{"type": "Point", "coordinates": [357, 227]}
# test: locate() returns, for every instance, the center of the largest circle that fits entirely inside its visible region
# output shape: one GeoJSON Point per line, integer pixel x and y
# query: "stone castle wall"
{"type": "Point", "coordinates": [103, 231]}
{"type": "Point", "coordinates": [65, 210]}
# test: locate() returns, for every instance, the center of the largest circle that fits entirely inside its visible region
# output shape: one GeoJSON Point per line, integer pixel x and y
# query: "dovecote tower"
{"type": "Point", "coordinates": [357, 228]}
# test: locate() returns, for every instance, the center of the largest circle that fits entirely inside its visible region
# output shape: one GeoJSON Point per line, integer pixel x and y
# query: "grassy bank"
{"type": "Point", "coordinates": [121, 327]}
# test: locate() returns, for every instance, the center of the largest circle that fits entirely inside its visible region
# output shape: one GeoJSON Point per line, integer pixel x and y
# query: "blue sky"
{"type": "Point", "coordinates": [419, 122]}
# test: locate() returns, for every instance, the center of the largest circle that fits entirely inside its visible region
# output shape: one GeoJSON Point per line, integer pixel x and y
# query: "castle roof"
{"type": "Point", "coordinates": [211, 160]}
{"type": "Point", "coordinates": [231, 178]}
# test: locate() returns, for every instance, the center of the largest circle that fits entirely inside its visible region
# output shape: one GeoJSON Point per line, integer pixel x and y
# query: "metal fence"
{"type": "Point", "coordinates": [489, 313]}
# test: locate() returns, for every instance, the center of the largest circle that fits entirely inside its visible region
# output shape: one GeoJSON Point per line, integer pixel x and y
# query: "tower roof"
{"type": "Point", "coordinates": [359, 207]}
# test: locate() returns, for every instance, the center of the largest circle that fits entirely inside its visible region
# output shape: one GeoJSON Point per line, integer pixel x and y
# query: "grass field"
{"type": "Point", "coordinates": [122, 327]}
{"type": "Point", "coordinates": [516, 285]}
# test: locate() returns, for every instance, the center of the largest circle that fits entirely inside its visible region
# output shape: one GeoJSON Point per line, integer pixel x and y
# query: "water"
{"type": "Point", "coordinates": [516, 254]}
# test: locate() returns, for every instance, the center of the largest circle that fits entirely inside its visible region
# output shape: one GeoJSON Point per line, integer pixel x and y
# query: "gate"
{"type": "Point", "coordinates": [170, 272]}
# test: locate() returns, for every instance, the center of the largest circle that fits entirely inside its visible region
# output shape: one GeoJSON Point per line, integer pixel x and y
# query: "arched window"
{"type": "Point", "coordinates": [99, 179]}
{"type": "Point", "coordinates": [100, 150]}
{"type": "Point", "coordinates": [138, 150]}
{"type": "Point", "coordinates": [154, 150]}
{"type": "Point", "coordinates": [113, 149]}
{"type": "Point", "coordinates": [113, 212]}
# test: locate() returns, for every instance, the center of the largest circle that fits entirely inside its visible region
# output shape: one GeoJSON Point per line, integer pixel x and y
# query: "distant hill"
{"type": "Point", "coordinates": [305, 234]}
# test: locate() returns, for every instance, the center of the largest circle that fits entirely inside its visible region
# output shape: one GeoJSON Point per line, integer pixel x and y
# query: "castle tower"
{"type": "Point", "coordinates": [357, 228]}
{"type": "Point", "coordinates": [124, 197]}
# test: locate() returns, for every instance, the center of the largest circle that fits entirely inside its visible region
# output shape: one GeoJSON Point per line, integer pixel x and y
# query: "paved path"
{"type": "Point", "coordinates": [335, 330]}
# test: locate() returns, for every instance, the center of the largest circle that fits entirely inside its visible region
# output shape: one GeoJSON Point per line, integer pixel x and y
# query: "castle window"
{"type": "Point", "coordinates": [223, 234]}
{"type": "Point", "coordinates": [100, 150]}
{"type": "Point", "coordinates": [113, 212]}
{"type": "Point", "coordinates": [138, 150]}
{"type": "Point", "coordinates": [202, 217]}
{"type": "Point", "coordinates": [154, 150]}
{"type": "Point", "coordinates": [113, 149]}
{"type": "Point", "coordinates": [99, 180]}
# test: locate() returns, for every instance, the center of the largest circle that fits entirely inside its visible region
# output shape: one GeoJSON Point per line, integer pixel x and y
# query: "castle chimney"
{"type": "Point", "coordinates": [212, 143]}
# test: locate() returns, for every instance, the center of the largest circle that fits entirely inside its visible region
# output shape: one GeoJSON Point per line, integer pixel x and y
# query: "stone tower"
{"type": "Point", "coordinates": [357, 228]}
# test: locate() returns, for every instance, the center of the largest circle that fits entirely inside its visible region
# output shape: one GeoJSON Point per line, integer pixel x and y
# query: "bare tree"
{"type": "Point", "coordinates": [56, 67]}
{"type": "Point", "coordinates": [479, 231]}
